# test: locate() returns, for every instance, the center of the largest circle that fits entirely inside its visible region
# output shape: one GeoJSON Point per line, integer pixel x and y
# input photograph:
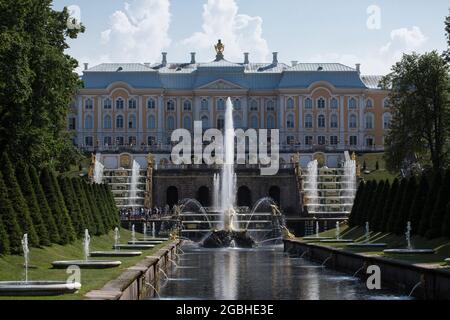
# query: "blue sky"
{"type": "Point", "coordinates": [306, 31]}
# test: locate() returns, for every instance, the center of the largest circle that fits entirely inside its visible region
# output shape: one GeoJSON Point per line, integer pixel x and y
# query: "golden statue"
{"type": "Point", "coordinates": [150, 160]}
{"type": "Point", "coordinates": [354, 156]}
{"type": "Point", "coordinates": [287, 235]}
{"type": "Point", "coordinates": [220, 48]}
{"type": "Point", "coordinates": [91, 168]}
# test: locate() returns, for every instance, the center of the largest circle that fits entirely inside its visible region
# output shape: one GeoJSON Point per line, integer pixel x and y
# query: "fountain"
{"type": "Point", "coordinates": [116, 252]}
{"type": "Point", "coordinates": [98, 170]}
{"type": "Point", "coordinates": [317, 236]}
{"type": "Point", "coordinates": [447, 261]}
{"type": "Point", "coordinates": [366, 243]}
{"type": "Point", "coordinates": [338, 238]}
{"type": "Point", "coordinates": [409, 247]}
{"type": "Point", "coordinates": [135, 173]}
{"type": "Point", "coordinates": [133, 244]}
{"type": "Point", "coordinates": [86, 263]}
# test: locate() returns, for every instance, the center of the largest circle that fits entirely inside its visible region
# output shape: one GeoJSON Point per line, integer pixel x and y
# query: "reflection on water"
{"type": "Point", "coordinates": [258, 274]}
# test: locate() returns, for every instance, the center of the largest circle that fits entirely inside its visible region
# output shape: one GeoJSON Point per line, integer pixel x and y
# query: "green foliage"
{"type": "Point", "coordinates": [18, 201]}
{"type": "Point", "coordinates": [352, 220]}
{"type": "Point", "coordinates": [446, 224]}
{"type": "Point", "coordinates": [376, 199]}
{"type": "Point", "coordinates": [419, 99]}
{"type": "Point", "coordinates": [377, 220]}
{"type": "Point", "coordinates": [96, 215]}
{"type": "Point", "coordinates": [418, 202]}
{"type": "Point", "coordinates": [44, 207]}
{"type": "Point", "coordinates": [4, 241]}
{"type": "Point", "coordinates": [395, 209]}
{"type": "Point", "coordinates": [405, 206]}
{"type": "Point", "coordinates": [447, 33]}
{"type": "Point", "coordinates": [27, 188]}
{"type": "Point", "coordinates": [366, 203]}
{"type": "Point", "coordinates": [439, 209]}
{"type": "Point", "coordinates": [84, 204]}
{"type": "Point", "coordinates": [429, 204]}
{"type": "Point", "coordinates": [389, 204]}
{"type": "Point", "coordinates": [9, 220]}
{"type": "Point", "coordinates": [72, 206]}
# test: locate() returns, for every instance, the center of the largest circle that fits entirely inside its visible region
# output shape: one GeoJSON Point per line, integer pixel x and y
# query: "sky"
{"type": "Point", "coordinates": [372, 33]}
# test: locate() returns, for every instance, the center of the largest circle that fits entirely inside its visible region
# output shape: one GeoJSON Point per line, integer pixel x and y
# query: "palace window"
{"type": "Point", "coordinates": [107, 122]}
{"type": "Point", "coordinates": [72, 123]}
{"type": "Point", "coordinates": [120, 141]}
{"type": "Point", "coordinates": [334, 121]}
{"type": "Point", "coordinates": [187, 105]}
{"type": "Point", "coordinates": [132, 104]}
{"type": "Point", "coordinates": [204, 104]}
{"type": "Point", "coordinates": [387, 119]}
{"type": "Point", "coordinates": [170, 105]}
{"type": "Point", "coordinates": [270, 122]}
{"type": "Point", "coordinates": [334, 103]}
{"type": "Point", "coordinates": [220, 123]}
{"type": "Point", "coordinates": [151, 123]}
{"type": "Point", "coordinates": [353, 140]}
{"type": "Point", "coordinates": [290, 123]}
{"type": "Point", "coordinates": [308, 140]}
{"type": "Point", "coordinates": [205, 122]}
{"type": "Point", "coordinates": [132, 121]}
{"type": "Point", "coordinates": [353, 122]}
{"type": "Point", "coordinates": [151, 141]}
{"type": "Point", "coordinates": [88, 122]}
{"type": "Point", "coordinates": [386, 103]}
{"type": "Point", "coordinates": [321, 121]}
{"type": "Point", "coordinates": [333, 140]}
{"type": "Point", "coordinates": [290, 103]}
{"type": "Point", "coordinates": [308, 121]}
{"type": "Point", "coordinates": [321, 140]}
{"type": "Point", "coordinates": [237, 122]}
{"type": "Point", "coordinates": [321, 103]}
{"type": "Point", "coordinates": [254, 122]}
{"type": "Point", "coordinates": [254, 105]}
{"type": "Point", "coordinates": [270, 106]}
{"type": "Point", "coordinates": [132, 141]}
{"type": "Point", "coordinates": [107, 104]}
{"type": "Point", "coordinates": [171, 123]}
{"type": "Point", "coordinates": [290, 140]}
{"type": "Point", "coordinates": [369, 103]}
{"type": "Point", "coordinates": [352, 103]}
{"type": "Point", "coordinates": [107, 141]}
{"type": "Point", "coordinates": [308, 103]}
{"type": "Point", "coordinates": [119, 122]}
{"type": "Point", "coordinates": [89, 104]}
{"type": "Point", "coordinates": [369, 121]}
{"type": "Point", "coordinates": [369, 142]}
{"type": "Point", "coordinates": [187, 123]}
{"type": "Point", "coordinates": [151, 104]}
{"type": "Point", "coordinates": [220, 104]}
{"type": "Point", "coordinates": [237, 104]}
{"type": "Point", "coordinates": [89, 141]}
{"type": "Point", "coordinates": [120, 104]}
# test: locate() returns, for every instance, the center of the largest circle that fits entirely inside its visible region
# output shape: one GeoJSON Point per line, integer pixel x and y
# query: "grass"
{"type": "Point", "coordinates": [371, 160]}
{"type": "Point", "coordinates": [11, 267]}
{"type": "Point", "coordinates": [441, 245]}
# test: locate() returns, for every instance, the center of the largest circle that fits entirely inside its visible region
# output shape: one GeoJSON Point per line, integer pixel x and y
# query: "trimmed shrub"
{"type": "Point", "coordinates": [18, 201]}
{"type": "Point", "coordinates": [378, 216]}
{"type": "Point", "coordinates": [72, 206]}
{"type": "Point", "coordinates": [84, 205]}
{"type": "Point", "coordinates": [388, 205]}
{"type": "Point", "coordinates": [96, 215]}
{"type": "Point", "coordinates": [439, 210]}
{"type": "Point", "coordinates": [428, 207]}
{"type": "Point", "coordinates": [395, 209]}
{"type": "Point", "coordinates": [376, 198]}
{"type": "Point", "coordinates": [418, 203]}
{"type": "Point", "coordinates": [367, 200]}
{"type": "Point", "coordinates": [405, 206]}
{"type": "Point", "coordinates": [9, 220]}
{"type": "Point", "coordinates": [4, 241]}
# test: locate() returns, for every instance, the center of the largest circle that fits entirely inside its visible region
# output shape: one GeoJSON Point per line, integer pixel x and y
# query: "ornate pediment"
{"type": "Point", "coordinates": [221, 85]}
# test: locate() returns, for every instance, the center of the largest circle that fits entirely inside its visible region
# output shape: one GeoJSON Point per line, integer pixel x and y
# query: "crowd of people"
{"type": "Point", "coordinates": [155, 213]}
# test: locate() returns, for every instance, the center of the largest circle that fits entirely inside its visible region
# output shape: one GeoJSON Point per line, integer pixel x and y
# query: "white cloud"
{"type": "Point", "coordinates": [138, 33]}
{"type": "Point", "coordinates": [413, 38]}
{"type": "Point", "coordinates": [239, 32]}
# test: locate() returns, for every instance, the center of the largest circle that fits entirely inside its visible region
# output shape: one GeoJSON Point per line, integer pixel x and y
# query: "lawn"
{"type": "Point", "coordinates": [441, 245]}
{"type": "Point", "coordinates": [11, 267]}
{"type": "Point", "coordinates": [371, 159]}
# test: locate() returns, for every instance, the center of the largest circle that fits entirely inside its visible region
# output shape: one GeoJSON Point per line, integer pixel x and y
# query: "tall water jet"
{"type": "Point", "coordinates": [86, 244]}
{"type": "Point", "coordinates": [116, 238]}
{"type": "Point", "coordinates": [134, 182]}
{"type": "Point", "coordinates": [216, 191]}
{"type": "Point", "coordinates": [133, 234]}
{"type": "Point", "coordinates": [98, 170]}
{"type": "Point", "coordinates": [26, 252]}
{"type": "Point", "coordinates": [311, 188]}
{"type": "Point", "coordinates": [349, 179]}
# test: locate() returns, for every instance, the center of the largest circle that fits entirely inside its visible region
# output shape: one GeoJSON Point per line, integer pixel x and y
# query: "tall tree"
{"type": "Point", "coordinates": [447, 33]}
{"type": "Point", "coordinates": [425, 218]}
{"type": "Point", "coordinates": [72, 206]}
{"type": "Point", "coordinates": [439, 210]}
{"type": "Point", "coordinates": [9, 220]}
{"type": "Point", "coordinates": [377, 220]}
{"type": "Point", "coordinates": [418, 202]}
{"type": "Point", "coordinates": [4, 241]}
{"type": "Point", "coordinates": [405, 206]}
{"type": "Point", "coordinates": [388, 206]}
{"type": "Point", "coordinates": [419, 100]}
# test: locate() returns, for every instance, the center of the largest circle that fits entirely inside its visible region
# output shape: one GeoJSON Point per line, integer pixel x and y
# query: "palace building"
{"type": "Point", "coordinates": [324, 108]}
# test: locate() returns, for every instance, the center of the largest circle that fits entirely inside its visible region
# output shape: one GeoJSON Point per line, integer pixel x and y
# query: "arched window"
{"type": "Point", "coordinates": [205, 122]}
{"type": "Point", "coordinates": [334, 121]}
{"type": "Point", "coordinates": [334, 103]}
{"type": "Point", "coordinates": [321, 103]}
{"type": "Point", "coordinates": [120, 104]}
{"type": "Point", "coordinates": [220, 123]}
{"type": "Point", "coordinates": [187, 105]}
{"type": "Point", "coordinates": [151, 123]}
{"type": "Point", "coordinates": [352, 103]}
{"type": "Point", "coordinates": [89, 104]}
{"type": "Point", "coordinates": [171, 123]}
{"type": "Point", "coordinates": [237, 104]}
{"type": "Point", "coordinates": [386, 103]}
{"type": "Point", "coordinates": [290, 123]}
{"type": "Point", "coordinates": [132, 104]}
{"type": "Point", "coordinates": [107, 104]}
{"type": "Point", "coordinates": [369, 103]}
{"type": "Point", "coordinates": [204, 104]}
{"type": "Point", "coordinates": [237, 122]}
{"type": "Point", "coordinates": [253, 105]}
{"type": "Point", "coordinates": [151, 104]}
{"type": "Point", "coordinates": [270, 106]}
{"type": "Point", "coordinates": [369, 121]}
{"type": "Point", "coordinates": [187, 123]}
{"type": "Point", "coordinates": [132, 121]}
{"type": "Point", "coordinates": [270, 122]}
{"type": "Point", "coordinates": [170, 105]}
{"type": "Point", "coordinates": [321, 121]}
{"type": "Point", "coordinates": [107, 122]}
{"type": "Point", "coordinates": [308, 103]}
{"type": "Point", "coordinates": [221, 104]}
{"type": "Point", "coordinates": [88, 122]}
{"type": "Point", "coordinates": [119, 122]}
{"type": "Point", "coordinates": [308, 121]}
{"type": "Point", "coordinates": [387, 119]}
{"type": "Point", "coordinates": [353, 122]}
{"type": "Point", "coordinates": [290, 103]}
{"type": "Point", "coordinates": [254, 122]}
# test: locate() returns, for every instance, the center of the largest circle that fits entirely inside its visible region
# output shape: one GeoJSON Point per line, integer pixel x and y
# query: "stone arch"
{"type": "Point", "coordinates": [172, 196]}
{"type": "Point", "coordinates": [203, 196]}
{"type": "Point", "coordinates": [275, 194]}
{"type": "Point", "coordinates": [244, 197]}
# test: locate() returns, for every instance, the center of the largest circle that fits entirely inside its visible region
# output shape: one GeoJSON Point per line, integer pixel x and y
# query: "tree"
{"type": "Point", "coordinates": [26, 186]}
{"type": "Point", "coordinates": [405, 207]}
{"type": "Point", "coordinates": [96, 215]}
{"type": "Point", "coordinates": [72, 206]}
{"type": "Point", "coordinates": [37, 82]}
{"type": "Point", "coordinates": [84, 205]}
{"type": "Point", "coordinates": [428, 207]}
{"type": "Point", "coordinates": [446, 224]}
{"type": "Point", "coordinates": [418, 202]}
{"type": "Point", "coordinates": [9, 220]}
{"type": "Point", "coordinates": [366, 201]}
{"type": "Point", "coordinates": [18, 201]}
{"type": "Point", "coordinates": [377, 166]}
{"type": "Point", "coordinates": [388, 206]}
{"type": "Point", "coordinates": [4, 241]}
{"type": "Point", "coordinates": [395, 208]}
{"type": "Point", "coordinates": [376, 197]}
{"type": "Point", "coordinates": [46, 212]}
{"type": "Point", "coordinates": [419, 101]}
{"type": "Point", "coordinates": [378, 217]}
{"type": "Point", "coordinates": [352, 219]}
{"type": "Point", "coordinates": [447, 33]}
{"type": "Point", "coordinates": [439, 209]}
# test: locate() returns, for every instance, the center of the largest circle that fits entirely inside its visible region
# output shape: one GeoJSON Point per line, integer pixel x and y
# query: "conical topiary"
{"type": "Point", "coordinates": [4, 241]}
{"type": "Point", "coordinates": [405, 206]}
{"type": "Point", "coordinates": [84, 205]}
{"type": "Point", "coordinates": [18, 201]}
{"type": "Point", "coordinates": [72, 206]}
{"type": "Point", "coordinates": [376, 223]}
{"type": "Point", "coordinates": [395, 208]}
{"type": "Point", "coordinates": [373, 205]}
{"type": "Point", "coordinates": [9, 220]}
{"type": "Point", "coordinates": [418, 202]}
{"type": "Point", "coordinates": [352, 220]}
{"type": "Point", "coordinates": [428, 207]}
{"type": "Point", "coordinates": [27, 188]}
{"type": "Point", "coordinates": [439, 210]}
{"type": "Point", "coordinates": [389, 203]}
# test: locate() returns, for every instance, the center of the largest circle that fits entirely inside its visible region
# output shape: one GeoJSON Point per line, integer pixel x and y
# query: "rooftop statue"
{"type": "Point", "coordinates": [220, 48]}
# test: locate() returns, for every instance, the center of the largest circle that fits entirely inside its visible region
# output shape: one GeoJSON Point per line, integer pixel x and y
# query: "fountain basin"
{"type": "Point", "coordinates": [410, 251]}
{"type": "Point", "coordinates": [448, 261]}
{"type": "Point", "coordinates": [337, 241]}
{"type": "Point", "coordinates": [89, 264]}
{"type": "Point", "coordinates": [37, 288]}
{"type": "Point", "coordinates": [316, 238]}
{"type": "Point", "coordinates": [145, 242]}
{"type": "Point", "coordinates": [367, 245]}
{"type": "Point", "coordinates": [134, 247]}
{"type": "Point", "coordinates": [153, 239]}
{"type": "Point", "coordinates": [227, 239]}
{"type": "Point", "coordinates": [123, 254]}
